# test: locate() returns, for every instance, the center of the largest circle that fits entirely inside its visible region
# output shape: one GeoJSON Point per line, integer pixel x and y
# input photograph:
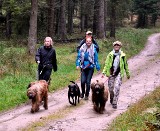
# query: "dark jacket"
{"type": "Point", "coordinates": [84, 41]}
{"type": "Point", "coordinates": [47, 57]}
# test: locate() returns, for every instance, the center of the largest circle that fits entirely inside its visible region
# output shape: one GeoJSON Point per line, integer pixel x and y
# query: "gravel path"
{"type": "Point", "coordinates": [145, 77]}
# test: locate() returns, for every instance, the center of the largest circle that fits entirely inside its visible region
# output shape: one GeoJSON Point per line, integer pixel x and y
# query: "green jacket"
{"type": "Point", "coordinates": [123, 64]}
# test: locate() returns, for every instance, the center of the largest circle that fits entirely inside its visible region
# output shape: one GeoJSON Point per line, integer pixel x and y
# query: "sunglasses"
{"type": "Point", "coordinates": [116, 45]}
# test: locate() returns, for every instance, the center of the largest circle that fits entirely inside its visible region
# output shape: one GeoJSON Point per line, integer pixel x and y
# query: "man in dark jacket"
{"type": "Point", "coordinates": [88, 34]}
{"type": "Point", "coordinates": [46, 59]}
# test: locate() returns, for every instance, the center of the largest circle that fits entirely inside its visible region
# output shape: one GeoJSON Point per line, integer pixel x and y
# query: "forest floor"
{"type": "Point", "coordinates": [145, 77]}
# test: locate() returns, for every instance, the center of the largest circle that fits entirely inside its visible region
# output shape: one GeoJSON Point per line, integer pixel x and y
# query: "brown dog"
{"type": "Point", "coordinates": [99, 96]}
{"type": "Point", "coordinates": [38, 92]}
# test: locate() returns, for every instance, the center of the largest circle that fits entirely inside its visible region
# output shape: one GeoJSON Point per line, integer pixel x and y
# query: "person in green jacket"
{"type": "Point", "coordinates": [115, 66]}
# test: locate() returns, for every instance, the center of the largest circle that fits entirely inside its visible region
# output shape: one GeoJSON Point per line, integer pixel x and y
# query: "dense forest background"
{"type": "Point", "coordinates": [29, 21]}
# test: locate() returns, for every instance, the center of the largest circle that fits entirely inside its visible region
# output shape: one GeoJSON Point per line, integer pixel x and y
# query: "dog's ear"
{"type": "Point", "coordinates": [29, 85]}
{"type": "Point", "coordinates": [93, 85]}
{"type": "Point", "coordinates": [76, 86]}
{"type": "Point", "coordinates": [73, 82]}
{"type": "Point", "coordinates": [69, 86]}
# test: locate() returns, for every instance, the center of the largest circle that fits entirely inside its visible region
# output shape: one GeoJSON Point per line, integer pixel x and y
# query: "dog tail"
{"type": "Point", "coordinates": [73, 82]}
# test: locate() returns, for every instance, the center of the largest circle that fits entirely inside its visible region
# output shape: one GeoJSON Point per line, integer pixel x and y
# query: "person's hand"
{"type": "Point", "coordinates": [77, 67]}
{"type": "Point", "coordinates": [38, 61]}
{"type": "Point", "coordinates": [99, 72]}
{"type": "Point", "coordinates": [102, 76]}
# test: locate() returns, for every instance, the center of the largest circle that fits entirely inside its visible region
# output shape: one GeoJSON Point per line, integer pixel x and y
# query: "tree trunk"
{"type": "Point", "coordinates": [86, 21]}
{"type": "Point", "coordinates": [1, 2]}
{"type": "Point", "coordinates": [32, 40]}
{"type": "Point", "coordinates": [142, 21]}
{"type": "Point", "coordinates": [154, 19]}
{"type": "Point", "coordinates": [100, 23]}
{"type": "Point", "coordinates": [50, 30]}
{"type": "Point", "coordinates": [95, 17]}
{"type": "Point", "coordinates": [105, 17]}
{"type": "Point", "coordinates": [70, 16]}
{"type": "Point", "coordinates": [82, 15]}
{"type": "Point", "coordinates": [112, 20]}
{"type": "Point", "coordinates": [57, 15]}
{"type": "Point", "coordinates": [8, 24]}
{"type": "Point", "coordinates": [62, 24]}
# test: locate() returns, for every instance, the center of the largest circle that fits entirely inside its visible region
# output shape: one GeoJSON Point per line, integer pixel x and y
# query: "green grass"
{"type": "Point", "coordinates": [136, 117]}
{"type": "Point", "coordinates": [17, 69]}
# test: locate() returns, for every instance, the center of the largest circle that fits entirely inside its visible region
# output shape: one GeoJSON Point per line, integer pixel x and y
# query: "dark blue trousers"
{"type": "Point", "coordinates": [86, 76]}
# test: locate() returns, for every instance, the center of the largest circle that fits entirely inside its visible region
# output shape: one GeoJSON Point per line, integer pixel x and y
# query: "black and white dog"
{"type": "Point", "coordinates": [74, 93]}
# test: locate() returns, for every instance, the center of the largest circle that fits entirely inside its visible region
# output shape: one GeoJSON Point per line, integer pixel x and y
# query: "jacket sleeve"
{"type": "Point", "coordinates": [106, 69]}
{"type": "Point", "coordinates": [37, 56]}
{"type": "Point", "coordinates": [54, 61]}
{"type": "Point", "coordinates": [78, 59]}
{"type": "Point", "coordinates": [96, 60]}
{"type": "Point", "coordinates": [126, 67]}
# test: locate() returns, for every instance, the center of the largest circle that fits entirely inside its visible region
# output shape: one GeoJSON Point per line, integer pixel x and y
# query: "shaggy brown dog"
{"type": "Point", "coordinates": [38, 92]}
{"type": "Point", "coordinates": [99, 96]}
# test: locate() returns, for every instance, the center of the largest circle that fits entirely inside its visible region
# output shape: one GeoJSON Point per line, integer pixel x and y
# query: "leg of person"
{"type": "Point", "coordinates": [90, 72]}
{"type": "Point", "coordinates": [111, 80]}
{"type": "Point", "coordinates": [83, 81]}
{"type": "Point", "coordinates": [117, 84]}
{"type": "Point", "coordinates": [47, 74]}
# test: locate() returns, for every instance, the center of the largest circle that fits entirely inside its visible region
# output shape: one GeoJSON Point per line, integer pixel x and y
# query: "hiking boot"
{"type": "Point", "coordinates": [82, 95]}
{"type": "Point", "coordinates": [86, 98]}
{"type": "Point", "coordinates": [114, 106]}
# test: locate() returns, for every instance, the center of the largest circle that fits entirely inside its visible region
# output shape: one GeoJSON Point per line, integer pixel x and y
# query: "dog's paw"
{"type": "Point", "coordinates": [32, 111]}
{"type": "Point", "coordinates": [45, 107]}
{"type": "Point", "coordinates": [101, 112]}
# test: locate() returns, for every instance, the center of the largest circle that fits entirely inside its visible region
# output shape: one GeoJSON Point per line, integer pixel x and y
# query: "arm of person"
{"type": "Point", "coordinates": [96, 61]}
{"type": "Point", "coordinates": [54, 61]}
{"type": "Point", "coordinates": [78, 60]}
{"type": "Point", "coordinates": [126, 68]}
{"type": "Point", "coordinates": [107, 66]}
{"type": "Point", "coordinates": [37, 56]}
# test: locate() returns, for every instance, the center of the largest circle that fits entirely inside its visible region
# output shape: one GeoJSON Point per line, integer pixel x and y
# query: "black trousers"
{"type": "Point", "coordinates": [44, 73]}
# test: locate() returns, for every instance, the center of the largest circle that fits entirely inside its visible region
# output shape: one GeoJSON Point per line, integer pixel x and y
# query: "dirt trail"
{"type": "Point", "coordinates": [145, 77]}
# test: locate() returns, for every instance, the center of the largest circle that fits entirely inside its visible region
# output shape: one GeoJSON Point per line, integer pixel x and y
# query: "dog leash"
{"type": "Point", "coordinates": [42, 69]}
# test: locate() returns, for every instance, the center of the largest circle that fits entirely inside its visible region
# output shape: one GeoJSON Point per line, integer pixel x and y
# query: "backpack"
{"type": "Point", "coordinates": [84, 41]}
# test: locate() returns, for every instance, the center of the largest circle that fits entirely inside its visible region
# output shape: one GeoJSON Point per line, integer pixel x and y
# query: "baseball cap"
{"type": "Point", "coordinates": [88, 32]}
{"type": "Point", "coordinates": [117, 42]}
